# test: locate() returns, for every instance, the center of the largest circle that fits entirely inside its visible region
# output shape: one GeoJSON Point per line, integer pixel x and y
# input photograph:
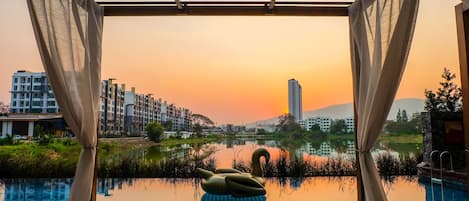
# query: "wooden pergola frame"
{"type": "Point", "coordinates": [462, 23]}
{"type": "Point", "coordinates": [288, 8]}
{"type": "Point", "coordinates": [224, 8]}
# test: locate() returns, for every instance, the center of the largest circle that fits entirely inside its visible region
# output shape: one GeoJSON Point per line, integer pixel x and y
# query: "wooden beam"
{"type": "Point", "coordinates": [462, 23]}
{"type": "Point", "coordinates": [224, 11]}
{"type": "Point", "coordinates": [272, 4]}
{"type": "Point", "coordinates": [178, 4]}
{"type": "Point", "coordinates": [235, 8]}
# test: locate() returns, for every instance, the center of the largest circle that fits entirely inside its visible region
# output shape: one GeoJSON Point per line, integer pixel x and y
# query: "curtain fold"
{"type": "Point", "coordinates": [465, 3]}
{"type": "Point", "coordinates": [69, 34]}
{"type": "Point", "coordinates": [381, 32]}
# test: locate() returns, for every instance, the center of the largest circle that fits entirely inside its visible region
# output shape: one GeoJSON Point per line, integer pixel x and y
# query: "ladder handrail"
{"type": "Point", "coordinates": [441, 171]}
{"type": "Point", "coordinates": [431, 172]}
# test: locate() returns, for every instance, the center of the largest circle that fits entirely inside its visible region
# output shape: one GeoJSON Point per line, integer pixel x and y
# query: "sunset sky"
{"type": "Point", "coordinates": [235, 69]}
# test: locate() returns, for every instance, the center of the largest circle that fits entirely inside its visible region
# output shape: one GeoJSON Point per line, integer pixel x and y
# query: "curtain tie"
{"type": "Point", "coordinates": [362, 152]}
{"type": "Point", "coordinates": [89, 146]}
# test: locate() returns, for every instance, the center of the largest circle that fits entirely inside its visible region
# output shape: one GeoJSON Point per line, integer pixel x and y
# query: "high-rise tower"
{"type": "Point", "coordinates": [295, 103]}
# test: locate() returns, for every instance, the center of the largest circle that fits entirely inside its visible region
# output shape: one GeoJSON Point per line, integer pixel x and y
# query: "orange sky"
{"type": "Point", "coordinates": [235, 69]}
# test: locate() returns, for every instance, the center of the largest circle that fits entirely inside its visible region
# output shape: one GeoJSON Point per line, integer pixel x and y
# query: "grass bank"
{"type": "Point", "coordinates": [201, 140]}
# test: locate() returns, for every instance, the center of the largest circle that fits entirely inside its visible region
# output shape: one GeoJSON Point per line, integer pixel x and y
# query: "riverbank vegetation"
{"type": "Point", "coordinates": [136, 157]}
{"type": "Point", "coordinates": [42, 165]}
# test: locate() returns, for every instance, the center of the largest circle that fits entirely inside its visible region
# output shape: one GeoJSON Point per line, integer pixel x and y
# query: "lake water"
{"type": "Point", "coordinates": [287, 189]}
{"type": "Point", "coordinates": [224, 152]}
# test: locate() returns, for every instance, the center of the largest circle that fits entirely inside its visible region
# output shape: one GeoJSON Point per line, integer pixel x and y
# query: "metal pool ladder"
{"type": "Point", "coordinates": [431, 173]}
{"type": "Point", "coordinates": [442, 168]}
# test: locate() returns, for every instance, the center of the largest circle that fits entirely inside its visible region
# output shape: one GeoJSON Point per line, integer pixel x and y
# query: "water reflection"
{"type": "Point", "coordinates": [321, 188]}
{"type": "Point", "coordinates": [35, 189]}
{"type": "Point", "coordinates": [228, 150]}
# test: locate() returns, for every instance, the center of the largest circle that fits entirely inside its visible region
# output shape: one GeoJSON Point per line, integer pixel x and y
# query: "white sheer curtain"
{"type": "Point", "coordinates": [69, 34]}
{"type": "Point", "coordinates": [381, 34]}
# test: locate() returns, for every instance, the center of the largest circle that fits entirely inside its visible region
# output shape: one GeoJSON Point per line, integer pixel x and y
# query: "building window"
{"type": "Point", "coordinates": [37, 103]}
{"type": "Point", "coordinates": [15, 88]}
{"type": "Point", "coordinates": [36, 111]}
{"type": "Point", "coordinates": [50, 103]}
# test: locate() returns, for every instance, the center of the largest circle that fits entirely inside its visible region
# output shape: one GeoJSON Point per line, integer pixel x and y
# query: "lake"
{"type": "Point", "coordinates": [225, 153]}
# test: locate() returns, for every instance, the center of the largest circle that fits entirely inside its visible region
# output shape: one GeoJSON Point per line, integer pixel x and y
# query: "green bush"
{"type": "Point", "coordinates": [9, 140]}
{"type": "Point", "coordinates": [154, 131]}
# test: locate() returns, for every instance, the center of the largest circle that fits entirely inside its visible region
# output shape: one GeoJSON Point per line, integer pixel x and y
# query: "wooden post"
{"type": "Point", "coordinates": [462, 23]}
{"type": "Point", "coordinates": [360, 189]}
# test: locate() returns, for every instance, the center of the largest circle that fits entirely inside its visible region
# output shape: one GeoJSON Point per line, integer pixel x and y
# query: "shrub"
{"type": "Point", "coordinates": [154, 131]}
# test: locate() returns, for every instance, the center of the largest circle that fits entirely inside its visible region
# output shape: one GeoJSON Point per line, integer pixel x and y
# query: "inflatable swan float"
{"type": "Point", "coordinates": [234, 182]}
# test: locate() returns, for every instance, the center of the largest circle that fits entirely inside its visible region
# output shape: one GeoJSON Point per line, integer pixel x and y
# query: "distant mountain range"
{"type": "Point", "coordinates": [341, 111]}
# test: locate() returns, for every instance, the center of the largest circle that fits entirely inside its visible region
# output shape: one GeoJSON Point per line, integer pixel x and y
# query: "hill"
{"type": "Point", "coordinates": [341, 111]}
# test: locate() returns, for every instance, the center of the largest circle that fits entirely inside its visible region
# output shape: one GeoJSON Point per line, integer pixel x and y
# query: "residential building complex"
{"type": "Point", "coordinates": [31, 93]}
{"type": "Point", "coordinates": [121, 111]}
{"type": "Point", "coordinates": [295, 103]}
{"type": "Point", "coordinates": [350, 124]}
{"type": "Point", "coordinates": [141, 109]}
{"type": "Point", "coordinates": [112, 107]}
{"type": "Point", "coordinates": [324, 123]}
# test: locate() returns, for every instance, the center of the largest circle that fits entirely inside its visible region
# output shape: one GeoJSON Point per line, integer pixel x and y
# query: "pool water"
{"type": "Point", "coordinates": [278, 189]}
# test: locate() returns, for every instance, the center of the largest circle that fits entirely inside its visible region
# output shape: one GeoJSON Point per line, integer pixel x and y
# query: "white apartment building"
{"type": "Point", "coordinates": [121, 111]}
{"type": "Point", "coordinates": [350, 124]}
{"type": "Point", "coordinates": [31, 93]}
{"type": "Point", "coordinates": [141, 109]}
{"type": "Point", "coordinates": [323, 122]}
{"type": "Point", "coordinates": [112, 108]}
{"type": "Point", "coordinates": [136, 112]}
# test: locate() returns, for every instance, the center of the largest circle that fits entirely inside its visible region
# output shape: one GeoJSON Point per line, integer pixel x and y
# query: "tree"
{"type": "Point", "coordinates": [412, 126]}
{"type": "Point", "coordinates": [315, 129]}
{"type": "Point", "coordinates": [154, 131]}
{"type": "Point", "coordinates": [416, 122]}
{"type": "Point", "coordinates": [261, 131]}
{"type": "Point", "coordinates": [398, 116]}
{"type": "Point", "coordinates": [198, 129]}
{"type": "Point", "coordinates": [39, 131]}
{"type": "Point", "coordinates": [287, 122]}
{"type": "Point", "coordinates": [338, 126]}
{"type": "Point", "coordinates": [168, 125]}
{"type": "Point", "coordinates": [404, 117]}
{"type": "Point", "coordinates": [448, 97]}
